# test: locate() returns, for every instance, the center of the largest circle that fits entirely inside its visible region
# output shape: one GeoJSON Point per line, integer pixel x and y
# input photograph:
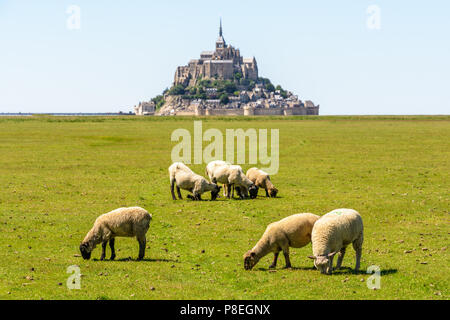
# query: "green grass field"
{"type": "Point", "coordinates": [57, 174]}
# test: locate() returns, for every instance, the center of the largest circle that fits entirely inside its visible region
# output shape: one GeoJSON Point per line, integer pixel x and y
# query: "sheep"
{"type": "Point", "coordinates": [186, 179]}
{"type": "Point", "coordinates": [122, 222]}
{"type": "Point", "coordinates": [238, 180]}
{"type": "Point", "coordinates": [331, 234]}
{"type": "Point", "coordinates": [293, 231]}
{"type": "Point", "coordinates": [244, 187]}
{"type": "Point", "coordinates": [261, 179]}
{"type": "Point", "coordinates": [231, 175]}
{"type": "Point", "coordinates": [210, 169]}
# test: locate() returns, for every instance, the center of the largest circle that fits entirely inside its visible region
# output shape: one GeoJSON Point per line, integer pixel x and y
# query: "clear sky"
{"type": "Point", "coordinates": [324, 51]}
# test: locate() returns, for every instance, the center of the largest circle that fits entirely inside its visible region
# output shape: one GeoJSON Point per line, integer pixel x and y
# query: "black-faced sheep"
{"type": "Point", "coordinates": [210, 170]}
{"type": "Point", "coordinates": [231, 175]}
{"type": "Point", "coordinates": [122, 222]}
{"type": "Point", "coordinates": [261, 179]}
{"type": "Point", "coordinates": [293, 231]}
{"type": "Point", "coordinates": [184, 178]}
{"type": "Point", "coordinates": [332, 233]}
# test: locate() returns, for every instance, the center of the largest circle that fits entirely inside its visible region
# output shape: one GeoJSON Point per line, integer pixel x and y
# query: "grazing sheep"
{"type": "Point", "coordinates": [122, 222]}
{"type": "Point", "coordinates": [332, 233]}
{"type": "Point", "coordinates": [293, 231]}
{"type": "Point", "coordinates": [261, 179]}
{"type": "Point", "coordinates": [186, 179]}
{"type": "Point", "coordinates": [210, 169]}
{"type": "Point", "coordinates": [231, 175]}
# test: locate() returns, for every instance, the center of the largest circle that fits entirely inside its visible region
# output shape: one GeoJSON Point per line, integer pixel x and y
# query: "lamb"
{"type": "Point", "coordinates": [231, 175]}
{"type": "Point", "coordinates": [186, 179]}
{"type": "Point", "coordinates": [331, 234]}
{"type": "Point", "coordinates": [262, 180]}
{"type": "Point", "coordinates": [293, 231]}
{"type": "Point", "coordinates": [122, 222]}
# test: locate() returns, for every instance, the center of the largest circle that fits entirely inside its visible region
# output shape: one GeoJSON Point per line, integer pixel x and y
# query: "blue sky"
{"type": "Point", "coordinates": [127, 51]}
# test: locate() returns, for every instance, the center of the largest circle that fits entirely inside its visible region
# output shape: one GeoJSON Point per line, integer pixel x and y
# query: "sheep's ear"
{"type": "Point", "coordinates": [312, 257]}
{"type": "Point", "coordinates": [331, 255]}
{"type": "Point", "coordinates": [253, 254]}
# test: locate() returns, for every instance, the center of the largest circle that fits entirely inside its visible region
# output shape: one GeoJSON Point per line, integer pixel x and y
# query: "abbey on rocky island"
{"type": "Point", "coordinates": [222, 82]}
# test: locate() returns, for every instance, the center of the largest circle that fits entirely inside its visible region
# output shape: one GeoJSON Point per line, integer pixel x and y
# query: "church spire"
{"type": "Point", "coordinates": [220, 43]}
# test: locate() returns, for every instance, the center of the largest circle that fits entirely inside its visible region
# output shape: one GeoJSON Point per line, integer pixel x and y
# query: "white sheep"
{"type": "Point", "coordinates": [293, 231]}
{"type": "Point", "coordinates": [261, 179]}
{"type": "Point", "coordinates": [210, 169]}
{"type": "Point", "coordinates": [186, 179]}
{"type": "Point", "coordinates": [332, 233]}
{"type": "Point", "coordinates": [122, 222]}
{"type": "Point", "coordinates": [231, 175]}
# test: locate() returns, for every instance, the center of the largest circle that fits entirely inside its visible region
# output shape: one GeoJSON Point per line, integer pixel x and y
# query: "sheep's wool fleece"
{"type": "Point", "coordinates": [336, 230]}
{"type": "Point", "coordinates": [296, 228]}
{"type": "Point", "coordinates": [124, 221]}
{"type": "Point", "coordinates": [255, 173]}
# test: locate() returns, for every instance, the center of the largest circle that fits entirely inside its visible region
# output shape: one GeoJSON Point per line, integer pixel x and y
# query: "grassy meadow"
{"type": "Point", "coordinates": [57, 174]}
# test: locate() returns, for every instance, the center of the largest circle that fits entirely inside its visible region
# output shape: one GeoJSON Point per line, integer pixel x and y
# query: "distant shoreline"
{"type": "Point", "coordinates": [66, 114]}
{"type": "Point", "coordinates": [86, 116]}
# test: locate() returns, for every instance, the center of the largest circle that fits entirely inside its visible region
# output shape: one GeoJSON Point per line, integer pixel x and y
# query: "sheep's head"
{"type": "Point", "coordinates": [324, 263]}
{"type": "Point", "coordinates": [273, 192]}
{"type": "Point", "coordinates": [250, 260]}
{"type": "Point", "coordinates": [85, 251]}
{"type": "Point", "coordinates": [253, 191]}
{"type": "Point", "coordinates": [215, 192]}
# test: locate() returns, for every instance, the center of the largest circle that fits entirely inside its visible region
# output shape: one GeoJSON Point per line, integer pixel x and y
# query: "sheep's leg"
{"type": "Point", "coordinates": [330, 265]}
{"type": "Point", "coordinates": [286, 257]}
{"type": "Point", "coordinates": [171, 190]}
{"type": "Point", "coordinates": [229, 190]}
{"type": "Point", "coordinates": [239, 192]}
{"type": "Point", "coordinates": [267, 193]}
{"type": "Point", "coordinates": [142, 242]}
{"type": "Point", "coordinates": [113, 252]}
{"type": "Point", "coordinates": [199, 197]}
{"type": "Point", "coordinates": [340, 258]}
{"type": "Point", "coordinates": [179, 193]}
{"type": "Point", "coordinates": [275, 258]}
{"type": "Point", "coordinates": [357, 245]}
{"type": "Point", "coordinates": [242, 192]}
{"type": "Point", "coordinates": [225, 190]}
{"type": "Point", "coordinates": [358, 259]}
{"type": "Point", "coordinates": [102, 257]}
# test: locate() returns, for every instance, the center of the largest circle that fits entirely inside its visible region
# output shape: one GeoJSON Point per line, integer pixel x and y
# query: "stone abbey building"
{"type": "Point", "coordinates": [223, 63]}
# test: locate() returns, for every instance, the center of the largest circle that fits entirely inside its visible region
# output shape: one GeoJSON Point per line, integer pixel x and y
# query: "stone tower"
{"type": "Point", "coordinates": [223, 63]}
{"type": "Point", "coordinates": [220, 43]}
